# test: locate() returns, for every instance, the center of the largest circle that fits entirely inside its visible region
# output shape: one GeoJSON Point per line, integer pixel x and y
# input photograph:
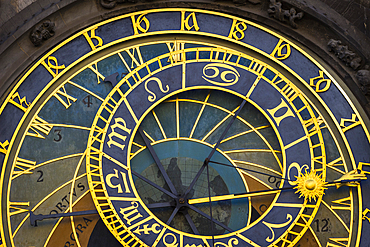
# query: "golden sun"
{"type": "Point", "coordinates": [310, 185]}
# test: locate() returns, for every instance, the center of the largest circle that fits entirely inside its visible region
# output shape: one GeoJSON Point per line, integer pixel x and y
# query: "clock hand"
{"type": "Point", "coordinates": [213, 150]}
{"type": "Point", "coordinates": [157, 161]}
{"type": "Point", "coordinates": [346, 180]}
{"type": "Point", "coordinates": [153, 184]}
{"type": "Point", "coordinates": [34, 218]}
{"type": "Point", "coordinates": [237, 196]}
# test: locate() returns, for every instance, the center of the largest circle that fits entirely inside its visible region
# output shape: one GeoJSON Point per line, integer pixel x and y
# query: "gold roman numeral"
{"type": "Point", "coordinates": [3, 146]}
{"type": "Point", "coordinates": [338, 242]}
{"type": "Point", "coordinates": [68, 98]}
{"type": "Point", "coordinates": [23, 166]}
{"type": "Point", "coordinates": [176, 46]}
{"type": "Point", "coordinates": [38, 126]}
{"type": "Point", "coordinates": [96, 71]}
{"type": "Point", "coordinates": [342, 204]}
{"type": "Point", "coordinates": [18, 208]}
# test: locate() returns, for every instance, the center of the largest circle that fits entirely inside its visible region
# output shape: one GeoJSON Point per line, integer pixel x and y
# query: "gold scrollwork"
{"type": "Point", "coordinates": [273, 225]}
{"type": "Point", "coordinates": [152, 97]}
{"type": "Point", "coordinates": [299, 170]}
{"type": "Point", "coordinates": [216, 72]}
{"type": "Point", "coordinates": [232, 242]}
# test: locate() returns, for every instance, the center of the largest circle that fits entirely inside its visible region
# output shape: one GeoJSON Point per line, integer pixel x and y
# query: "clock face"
{"type": "Point", "coordinates": [183, 135]}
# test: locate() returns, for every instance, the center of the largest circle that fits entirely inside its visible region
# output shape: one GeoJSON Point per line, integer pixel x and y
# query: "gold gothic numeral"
{"type": "Point", "coordinates": [53, 66]}
{"type": "Point", "coordinates": [92, 36]}
{"type": "Point", "coordinates": [351, 120]}
{"type": "Point", "coordinates": [131, 213]}
{"type": "Point", "coordinates": [21, 103]}
{"type": "Point", "coordinates": [17, 208]}
{"type": "Point", "coordinates": [237, 30]}
{"type": "Point", "coordinates": [185, 21]}
{"type": "Point", "coordinates": [62, 92]}
{"type": "Point", "coordinates": [109, 177]}
{"type": "Point", "coordinates": [288, 112]}
{"type": "Point", "coordinates": [120, 124]}
{"type": "Point", "coordinates": [364, 217]}
{"type": "Point", "coordinates": [273, 225]}
{"type": "Point", "coordinates": [173, 47]}
{"type": "Point", "coordinates": [343, 204]}
{"type": "Point", "coordinates": [23, 166]}
{"type": "Point", "coordinates": [137, 24]}
{"type": "Point", "coordinates": [281, 51]}
{"type": "Point", "coordinates": [339, 242]}
{"type": "Point", "coordinates": [3, 146]}
{"type": "Point", "coordinates": [152, 97]}
{"type": "Point", "coordinates": [39, 125]}
{"type": "Point", "coordinates": [320, 83]}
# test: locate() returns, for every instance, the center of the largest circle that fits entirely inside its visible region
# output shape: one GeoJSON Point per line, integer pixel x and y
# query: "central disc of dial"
{"type": "Point", "coordinates": [182, 159]}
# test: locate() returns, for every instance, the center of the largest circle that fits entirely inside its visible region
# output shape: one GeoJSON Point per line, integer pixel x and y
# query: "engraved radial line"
{"type": "Point", "coordinates": [241, 119]}
{"type": "Point", "coordinates": [177, 118]}
{"type": "Point", "coordinates": [257, 165]}
{"type": "Point", "coordinates": [56, 224]}
{"type": "Point", "coordinates": [50, 161]}
{"type": "Point", "coordinates": [159, 124]}
{"type": "Point", "coordinates": [86, 90]}
{"type": "Point", "coordinates": [199, 115]}
{"type": "Point", "coordinates": [244, 133]}
{"type": "Point", "coordinates": [149, 137]}
{"type": "Point", "coordinates": [65, 126]}
{"type": "Point", "coordinates": [336, 215]}
{"type": "Point", "coordinates": [219, 124]}
{"type": "Point", "coordinates": [44, 199]}
{"type": "Point", "coordinates": [71, 197]}
{"type": "Point", "coordinates": [56, 190]}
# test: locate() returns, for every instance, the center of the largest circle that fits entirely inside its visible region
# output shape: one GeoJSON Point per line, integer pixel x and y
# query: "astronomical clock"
{"type": "Point", "coordinates": [182, 128]}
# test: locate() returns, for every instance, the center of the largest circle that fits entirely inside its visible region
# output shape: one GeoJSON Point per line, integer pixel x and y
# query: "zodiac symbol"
{"type": "Point", "coordinates": [152, 97]}
{"type": "Point", "coordinates": [215, 67]}
{"type": "Point", "coordinates": [173, 243]}
{"type": "Point", "coordinates": [147, 229]}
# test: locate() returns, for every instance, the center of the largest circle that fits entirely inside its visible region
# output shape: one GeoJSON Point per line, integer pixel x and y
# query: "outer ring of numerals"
{"type": "Point", "coordinates": [289, 93]}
